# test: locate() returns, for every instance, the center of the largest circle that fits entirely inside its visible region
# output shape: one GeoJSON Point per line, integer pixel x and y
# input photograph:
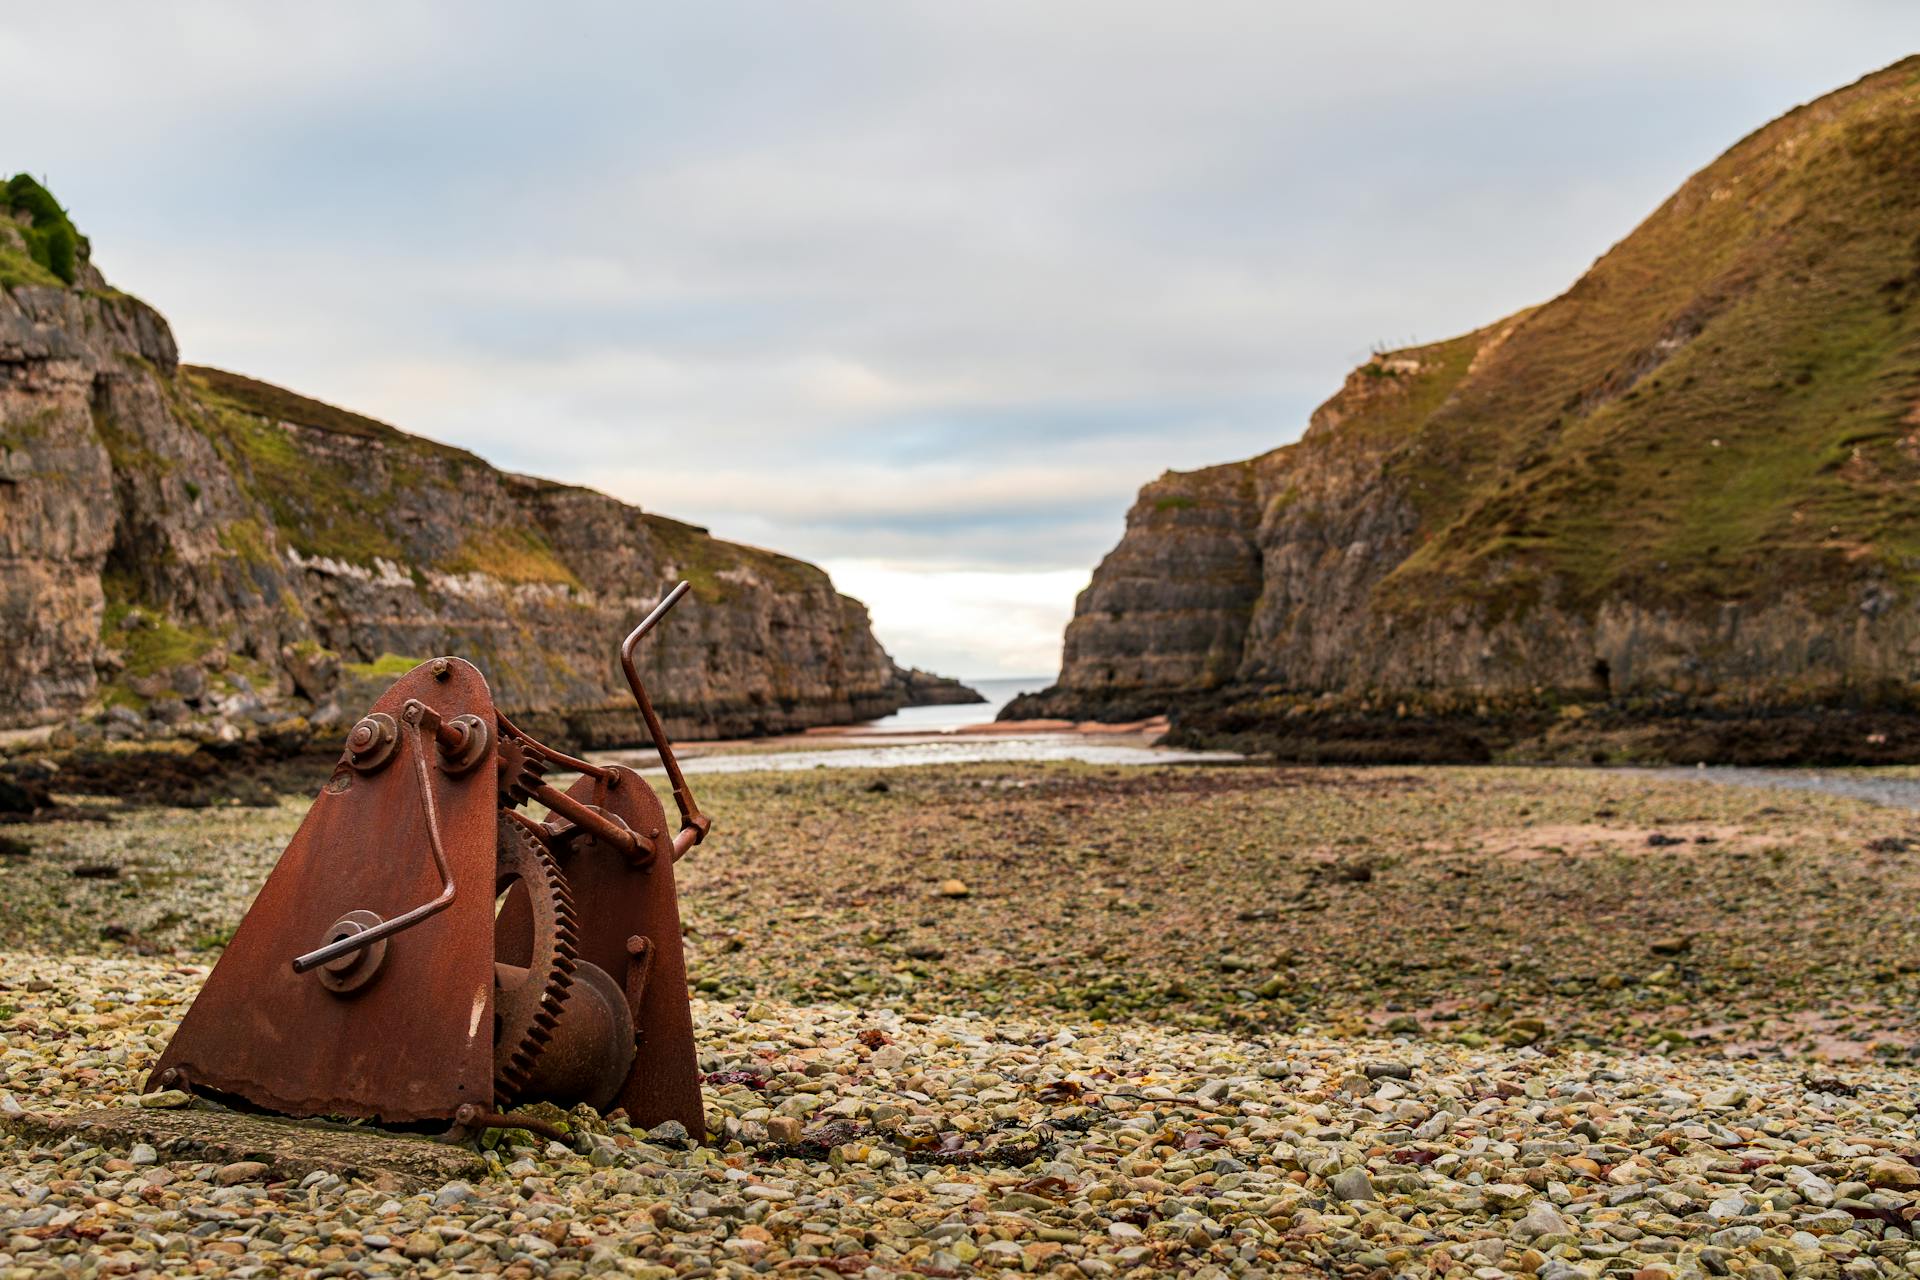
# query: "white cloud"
{"type": "Point", "coordinates": [972, 623]}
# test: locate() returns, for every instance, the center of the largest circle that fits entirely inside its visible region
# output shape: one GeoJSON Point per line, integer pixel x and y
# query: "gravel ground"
{"type": "Point", "coordinates": [1570, 908]}
{"type": "Point", "coordinates": [1015, 1104]}
{"type": "Point", "coordinates": [945, 1145]}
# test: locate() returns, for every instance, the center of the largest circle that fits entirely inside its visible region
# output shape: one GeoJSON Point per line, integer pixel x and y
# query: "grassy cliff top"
{"type": "Point", "coordinates": [326, 504]}
{"type": "Point", "coordinates": [277, 404]}
{"type": "Point", "coordinates": [39, 245]}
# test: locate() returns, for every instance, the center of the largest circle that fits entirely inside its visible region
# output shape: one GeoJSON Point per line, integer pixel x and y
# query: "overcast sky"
{"type": "Point", "coordinates": [920, 292]}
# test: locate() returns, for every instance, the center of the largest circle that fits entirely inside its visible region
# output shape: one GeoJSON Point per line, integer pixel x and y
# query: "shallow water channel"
{"type": "Point", "coordinates": [1896, 793]}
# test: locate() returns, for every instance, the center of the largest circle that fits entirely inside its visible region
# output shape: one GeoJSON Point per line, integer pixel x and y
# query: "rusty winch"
{"type": "Point", "coordinates": [426, 951]}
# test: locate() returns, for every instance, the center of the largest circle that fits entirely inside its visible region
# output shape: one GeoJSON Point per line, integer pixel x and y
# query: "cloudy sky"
{"type": "Point", "coordinates": [922, 292]}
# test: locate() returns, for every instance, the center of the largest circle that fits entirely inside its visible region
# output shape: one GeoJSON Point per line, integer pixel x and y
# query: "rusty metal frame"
{"type": "Point", "coordinates": [392, 1016]}
{"type": "Point", "coordinates": [366, 937]}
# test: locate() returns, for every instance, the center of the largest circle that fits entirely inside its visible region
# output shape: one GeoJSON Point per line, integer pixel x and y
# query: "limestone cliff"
{"type": "Point", "coordinates": [1696, 474]}
{"type": "Point", "coordinates": [192, 549]}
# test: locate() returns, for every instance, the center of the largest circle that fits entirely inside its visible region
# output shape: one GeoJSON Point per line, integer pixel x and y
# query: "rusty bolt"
{"type": "Point", "coordinates": [464, 743]}
{"type": "Point", "coordinates": [372, 742]}
{"type": "Point", "coordinates": [354, 969]}
{"type": "Point", "coordinates": [440, 668]}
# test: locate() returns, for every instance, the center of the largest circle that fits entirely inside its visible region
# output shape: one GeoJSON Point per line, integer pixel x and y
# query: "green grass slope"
{"type": "Point", "coordinates": [355, 506]}
{"type": "Point", "coordinates": [1727, 404]}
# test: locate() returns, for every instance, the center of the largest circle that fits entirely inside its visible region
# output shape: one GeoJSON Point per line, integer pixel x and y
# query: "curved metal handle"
{"type": "Point", "coordinates": [410, 719]}
{"type": "Point", "coordinates": [694, 824]}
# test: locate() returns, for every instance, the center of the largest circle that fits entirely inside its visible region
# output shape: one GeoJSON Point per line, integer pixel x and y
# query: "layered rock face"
{"type": "Point", "coordinates": [180, 543]}
{"type": "Point", "coordinates": [1694, 475]}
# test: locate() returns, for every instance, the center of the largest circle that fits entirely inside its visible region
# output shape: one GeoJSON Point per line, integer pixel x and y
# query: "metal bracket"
{"type": "Point", "coordinates": [639, 965]}
{"type": "Point", "coordinates": [469, 1120]}
{"type": "Point", "coordinates": [410, 719]}
{"type": "Point", "coordinates": [174, 1078]}
{"type": "Point", "coordinates": [694, 824]}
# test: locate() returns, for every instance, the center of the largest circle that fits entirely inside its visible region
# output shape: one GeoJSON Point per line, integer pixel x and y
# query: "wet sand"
{"type": "Point", "coordinates": [858, 747]}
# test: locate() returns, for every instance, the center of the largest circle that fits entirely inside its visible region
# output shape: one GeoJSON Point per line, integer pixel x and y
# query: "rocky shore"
{"type": "Point", "coordinates": [1473, 1024]}
{"type": "Point", "coordinates": [1287, 726]}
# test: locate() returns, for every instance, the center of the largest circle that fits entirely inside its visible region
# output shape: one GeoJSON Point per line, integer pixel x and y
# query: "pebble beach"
{"type": "Point", "coordinates": [906, 1077]}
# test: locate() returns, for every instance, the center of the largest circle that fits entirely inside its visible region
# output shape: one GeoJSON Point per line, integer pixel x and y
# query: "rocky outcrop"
{"type": "Point", "coordinates": [70, 359]}
{"type": "Point", "coordinates": [1694, 477]}
{"type": "Point", "coordinates": [925, 689]}
{"type": "Point", "coordinates": [190, 549]}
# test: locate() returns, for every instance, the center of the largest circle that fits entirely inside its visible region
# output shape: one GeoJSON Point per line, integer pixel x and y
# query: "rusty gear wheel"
{"type": "Point", "coordinates": [535, 952]}
{"type": "Point", "coordinates": [519, 773]}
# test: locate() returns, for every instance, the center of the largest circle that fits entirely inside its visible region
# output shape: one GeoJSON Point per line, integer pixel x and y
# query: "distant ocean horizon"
{"type": "Point", "coordinates": [997, 690]}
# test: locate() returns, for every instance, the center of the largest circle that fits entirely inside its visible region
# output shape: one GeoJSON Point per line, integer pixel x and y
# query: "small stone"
{"type": "Point", "coordinates": [1522, 1031]}
{"type": "Point", "coordinates": [668, 1131]}
{"type": "Point", "coordinates": [1811, 1186]}
{"type": "Point", "coordinates": [239, 1171]}
{"type": "Point", "coordinates": [955, 889]}
{"type": "Point", "coordinates": [452, 1194]}
{"type": "Point", "coordinates": [1388, 1071]}
{"type": "Point", "coordinates": [1353, 1184]}
{"type": "Point", "coordinates": [423, 1244]}
{"type": "Point", "coordinates": [142, 1154]}
{"type": "Point", "coordinates": [1541, 1219]}
{"type": "Point", "coordinates": [784, 1130]}
{"type": "Point", "coordinates": [1560, 1269]}
{"type": "Point", "coordinates": [165, 1098]}
{"type": "Point", "coordinates": [764, 1192]}
{"type": "Point", "coordinates": [1893, 1175]}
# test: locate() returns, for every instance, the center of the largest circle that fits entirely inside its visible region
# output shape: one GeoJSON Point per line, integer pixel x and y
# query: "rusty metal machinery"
{"type": "Point", "coordinates": [427, 951]}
